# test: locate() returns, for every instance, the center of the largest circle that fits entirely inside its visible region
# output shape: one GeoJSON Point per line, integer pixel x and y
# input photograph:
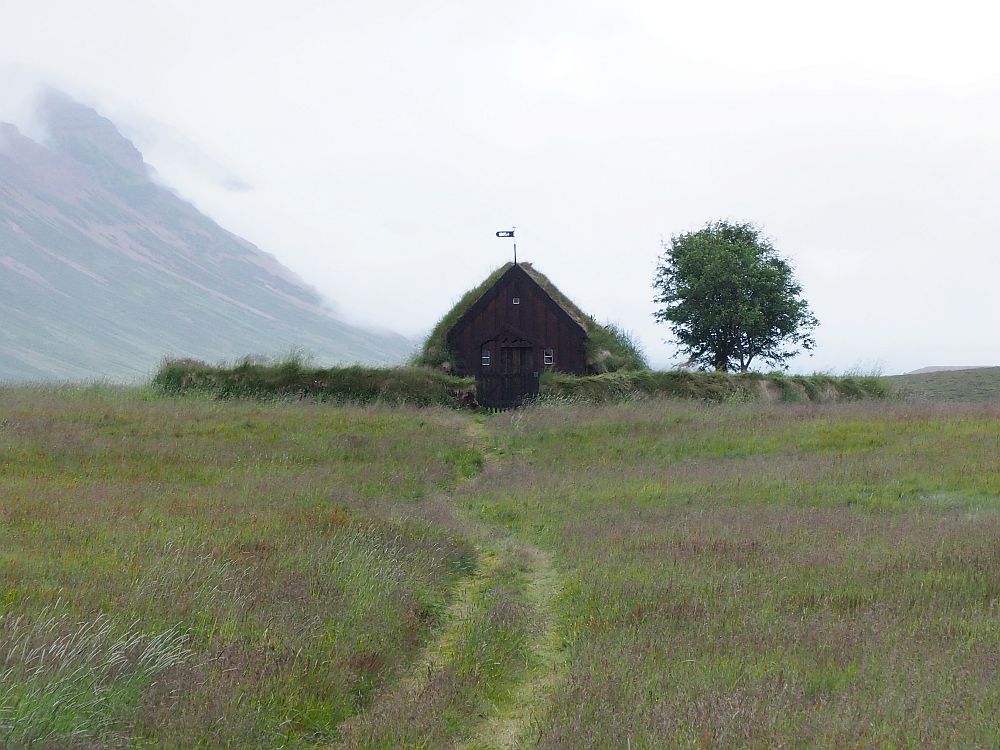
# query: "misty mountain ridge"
{"type": "Point", "coordinates": [103, 272]}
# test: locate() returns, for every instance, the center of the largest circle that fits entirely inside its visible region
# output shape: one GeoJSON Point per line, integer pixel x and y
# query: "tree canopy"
{"type": "Point", "coordinates": [730, 298]}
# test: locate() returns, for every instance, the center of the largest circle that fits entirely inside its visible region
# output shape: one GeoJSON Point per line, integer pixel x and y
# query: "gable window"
{"type": "Point", "coordinates": [486, 357]}
{"type": "Point", "coordinates": [516, 301]}
{"type": "Point", "coordinates": [549, 356]}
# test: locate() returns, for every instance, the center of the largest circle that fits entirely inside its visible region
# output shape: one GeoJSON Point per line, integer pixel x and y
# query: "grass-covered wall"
{"type": "Point", "coordinates": [423, 386]}
{"type": "Point", "coordinates": [292, 378]}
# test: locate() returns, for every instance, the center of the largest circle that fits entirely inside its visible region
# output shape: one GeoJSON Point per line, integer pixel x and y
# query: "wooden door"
{"type": "Point", "coordinates": [511, 378]}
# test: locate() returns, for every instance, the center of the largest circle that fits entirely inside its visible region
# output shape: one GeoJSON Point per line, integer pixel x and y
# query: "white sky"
{"type": "Point", "coordinates": [385, 142]}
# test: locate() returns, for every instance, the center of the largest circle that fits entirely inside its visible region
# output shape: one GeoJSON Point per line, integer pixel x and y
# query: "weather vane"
{"type": "Point", "coordinates": [510, 233]}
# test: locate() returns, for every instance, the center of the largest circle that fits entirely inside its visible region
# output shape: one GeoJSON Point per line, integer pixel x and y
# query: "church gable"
{"type": "Point", "coordinates": [517, 298]}
{"type": "Point", "coordinates": [515, 312]}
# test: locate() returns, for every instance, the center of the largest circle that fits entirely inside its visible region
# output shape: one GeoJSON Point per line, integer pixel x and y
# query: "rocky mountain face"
{"type": "Point", "coordinates": [103, 272]}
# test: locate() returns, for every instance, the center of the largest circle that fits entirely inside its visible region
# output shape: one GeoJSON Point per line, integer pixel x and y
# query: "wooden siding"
{"type": "Point", "coordinates": [538, 319]}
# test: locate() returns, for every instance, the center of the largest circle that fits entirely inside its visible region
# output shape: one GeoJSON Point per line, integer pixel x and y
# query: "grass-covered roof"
{"type": "Point", "coordinates": [609, 347]}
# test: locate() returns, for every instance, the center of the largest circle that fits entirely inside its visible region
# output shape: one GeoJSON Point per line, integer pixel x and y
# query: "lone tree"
{"type": "Point", "coordinates": [729, 298]}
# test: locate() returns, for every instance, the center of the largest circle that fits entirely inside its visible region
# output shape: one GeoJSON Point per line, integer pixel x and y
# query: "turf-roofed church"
{"type": "Point", "coordinates": [515, 326]}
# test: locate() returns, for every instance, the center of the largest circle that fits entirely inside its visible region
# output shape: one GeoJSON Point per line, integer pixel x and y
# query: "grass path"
{"type": "Point", "coordinates": [517, 722]}
{"type": "Point", "coordinates": [486, 679]}
{"type": "Point", "coordinates": [439, 654]}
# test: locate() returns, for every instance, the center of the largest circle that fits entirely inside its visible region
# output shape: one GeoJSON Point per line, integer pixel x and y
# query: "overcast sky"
{"type": "Point", "coordinates": [376, 147]}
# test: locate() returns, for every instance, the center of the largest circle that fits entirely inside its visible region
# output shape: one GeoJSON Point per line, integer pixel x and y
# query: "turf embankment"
{"type": "Point", "coordinates": [423, 386]}
{"type": "Point", "coordinates": [292, 379]}
{"type": "Point", "coordinates": [619, 387]}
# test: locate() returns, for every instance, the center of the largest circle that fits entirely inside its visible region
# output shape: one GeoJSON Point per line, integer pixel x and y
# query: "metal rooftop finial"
{"type": "Point", "coordinates": [510, 233]}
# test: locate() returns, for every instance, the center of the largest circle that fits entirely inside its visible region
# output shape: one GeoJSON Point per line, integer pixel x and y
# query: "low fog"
{"type": "Point", "coordinates": [376, 148]}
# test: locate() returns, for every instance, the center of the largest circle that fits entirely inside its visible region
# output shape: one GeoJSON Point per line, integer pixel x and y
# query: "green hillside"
{"type": "Point", "coordinates": [982, 384]}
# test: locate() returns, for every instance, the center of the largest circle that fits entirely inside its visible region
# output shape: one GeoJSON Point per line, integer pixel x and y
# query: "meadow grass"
{"type": "Point", "coordinates": [473, 668]}
{"type": "Point", "coordinates": [190, 572]}
{"type": "Point", "coordinates": [266, 537]}
{"type": "Point", "coordinates": [764, 576]}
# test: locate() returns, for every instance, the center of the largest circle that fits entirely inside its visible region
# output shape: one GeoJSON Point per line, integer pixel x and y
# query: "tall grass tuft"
{"type": "Point", "coordinates": [612, 348]}
{"type": "Point", "coordinates": [61, 679]}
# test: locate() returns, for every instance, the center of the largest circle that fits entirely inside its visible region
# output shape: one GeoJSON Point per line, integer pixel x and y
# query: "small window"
{"type": "Point", "coordinates": [486, 357]}
{"type": "Point", "coordinates": [516, 300]}
{"type": "Point", "coordinates": [550, 356]}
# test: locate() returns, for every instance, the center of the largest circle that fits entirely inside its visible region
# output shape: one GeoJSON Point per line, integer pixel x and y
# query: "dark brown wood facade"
{"type": "Point", "coordinates": [510, 335]}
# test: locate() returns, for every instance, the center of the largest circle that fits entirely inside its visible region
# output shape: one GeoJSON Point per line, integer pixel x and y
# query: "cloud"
{"type": "Point", "coordinates": [185, 159]}
{"type": "Point", "coordinates": [20, 93]}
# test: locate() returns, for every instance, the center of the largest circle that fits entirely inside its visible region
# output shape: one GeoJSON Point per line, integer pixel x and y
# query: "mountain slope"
{"type": "Point", "coordinates": [103, 272]}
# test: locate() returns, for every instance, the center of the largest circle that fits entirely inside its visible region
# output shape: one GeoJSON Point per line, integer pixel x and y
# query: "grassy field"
{"type": "Point", "coordinates": [764, 576]}
{"type": "Point", "coordinates": [185, 572]}
{"type": "Point", "coordinates": [189, 573]}
{"type": "Point", "coordinates": [980, 384]}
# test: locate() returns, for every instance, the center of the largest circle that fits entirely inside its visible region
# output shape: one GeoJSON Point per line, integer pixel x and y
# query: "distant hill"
{"type": "Point", "coordinates": [103, 271]}
{"type": "Point", "coordinates": [947, 368]}
{"type": "Point", "coordinates": [941, 384]}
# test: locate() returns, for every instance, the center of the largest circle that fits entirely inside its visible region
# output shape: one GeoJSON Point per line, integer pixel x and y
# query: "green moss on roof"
{"type": "Point", "coordinates": [609, 348]}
